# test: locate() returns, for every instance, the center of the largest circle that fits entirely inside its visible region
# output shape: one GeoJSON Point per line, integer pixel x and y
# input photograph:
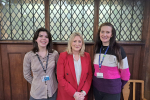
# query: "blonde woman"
{"type": "Point", "coordinates": [74, 71]}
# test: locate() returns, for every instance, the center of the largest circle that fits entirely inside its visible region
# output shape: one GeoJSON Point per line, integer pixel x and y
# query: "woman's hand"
{"type": "Point", "coordinates": [79, 96]}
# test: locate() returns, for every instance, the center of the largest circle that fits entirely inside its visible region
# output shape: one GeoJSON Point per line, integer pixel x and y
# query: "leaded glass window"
{"type": "Point", "coordinates": [20, 18]}
{"type": "Point", "coordinates": [68, 16]}
{"type": "Point", "coordinates": [125, 15]}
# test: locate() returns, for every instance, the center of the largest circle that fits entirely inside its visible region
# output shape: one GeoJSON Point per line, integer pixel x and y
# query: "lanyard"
{"type": "Point", "coordinates": [42, 63]}
{"type": "Point", "coordinates": [100, 63]}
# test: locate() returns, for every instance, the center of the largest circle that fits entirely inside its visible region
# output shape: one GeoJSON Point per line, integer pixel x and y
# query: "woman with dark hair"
{"type": "Point", "coordinates": [110, 64]}
{"type": "Point", "coordinates": [41, 61]}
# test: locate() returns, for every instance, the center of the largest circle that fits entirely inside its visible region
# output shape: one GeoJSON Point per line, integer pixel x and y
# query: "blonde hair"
{"type": "Point", "coordinates": [72, 36]}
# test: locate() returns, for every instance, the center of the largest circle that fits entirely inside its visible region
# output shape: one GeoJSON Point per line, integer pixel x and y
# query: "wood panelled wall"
{"type": "Point", "coordinates": [145, 51]}
{"type": "Point", "coordinates": [13, 85]}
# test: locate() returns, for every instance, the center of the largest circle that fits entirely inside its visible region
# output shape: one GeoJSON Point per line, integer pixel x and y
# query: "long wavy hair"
{"type": "Point", "coordinates": [112, 44]}
{"type": "Point", "coordinates": [72, 36]}
{"type": "Point", "coordinates": [35, 44]}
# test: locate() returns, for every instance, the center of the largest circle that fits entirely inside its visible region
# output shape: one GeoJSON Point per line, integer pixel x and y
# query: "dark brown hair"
{"type": "Point", "coordinates": [113, 44]}
{"type": "Point", "coordinates": [35, 44]}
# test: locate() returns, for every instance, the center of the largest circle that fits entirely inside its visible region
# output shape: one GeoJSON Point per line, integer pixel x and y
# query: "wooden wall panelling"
{"type": "Point", "coordinates": [22, 49]}
{"type": "Point", "coordinates": [6, 73]}
{"type": "Point", "coordinates": [15, 86]}
{"type": "Point", "coordinates": [145, 39]}
{"type": "Point", "coordinates": [60, 47]}
{"type": "Point", "coordinates": [89, 48]}
{"type": "Point", "coordinates": [16, 76]}
{"type": "Point", "coordinates": [1, 77]}
{"type": "Point", "coordinates": [133, 55]}
{"type": "Point", "coordinates": [145, 52]}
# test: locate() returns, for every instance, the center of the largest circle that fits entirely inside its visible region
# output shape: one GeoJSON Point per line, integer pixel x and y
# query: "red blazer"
{"type": "Point", "coordinates": [67, 83]}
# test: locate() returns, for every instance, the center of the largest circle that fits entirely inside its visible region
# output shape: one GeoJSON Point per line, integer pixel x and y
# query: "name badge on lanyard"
{"type": "Point", "coordinates": [45, 78]}
{"type": "Point", "coordinates": [100, 74]}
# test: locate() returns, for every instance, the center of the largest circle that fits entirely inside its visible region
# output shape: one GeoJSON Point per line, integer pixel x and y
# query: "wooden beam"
{"type": "Point", "coordinates": [145, 52]}
{"type": "Point", "coordinates": [1, 78]}
{"type": "Point", "coordinates": [96, 18]}
{"type": "Point", "coordinates": [47, 14]}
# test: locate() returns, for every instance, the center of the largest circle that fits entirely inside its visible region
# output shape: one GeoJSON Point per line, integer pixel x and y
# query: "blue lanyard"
{"type": "Point", "coordinates": [42, 63]}
{"type": "Point", "coordinates": [100, 63]}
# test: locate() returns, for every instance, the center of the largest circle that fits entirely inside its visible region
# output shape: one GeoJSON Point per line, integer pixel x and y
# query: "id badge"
{"type": "Point", "coordinates": [99, 75]}
{"type": "Point", "coordinates": [45, 78]}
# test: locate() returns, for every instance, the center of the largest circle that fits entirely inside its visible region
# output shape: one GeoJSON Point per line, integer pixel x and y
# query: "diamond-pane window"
{"type": "Point", "coordinates": [125, 15]}
{"type": "Point", "coordinates": [72, 16]}
{"type": "Point", "coordinates": [20, 18]}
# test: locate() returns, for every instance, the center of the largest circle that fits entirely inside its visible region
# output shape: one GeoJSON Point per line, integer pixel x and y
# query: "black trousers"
{"type": "Point", "coordinates": [105, 96]}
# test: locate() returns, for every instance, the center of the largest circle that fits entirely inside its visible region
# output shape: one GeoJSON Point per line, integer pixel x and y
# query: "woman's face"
{"type": "Point", "coordinates": [105, 35]}
{"type": "Point", "coordinates": [42, 39]}
{"type": "Point", "coordinates": [76, 44]}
